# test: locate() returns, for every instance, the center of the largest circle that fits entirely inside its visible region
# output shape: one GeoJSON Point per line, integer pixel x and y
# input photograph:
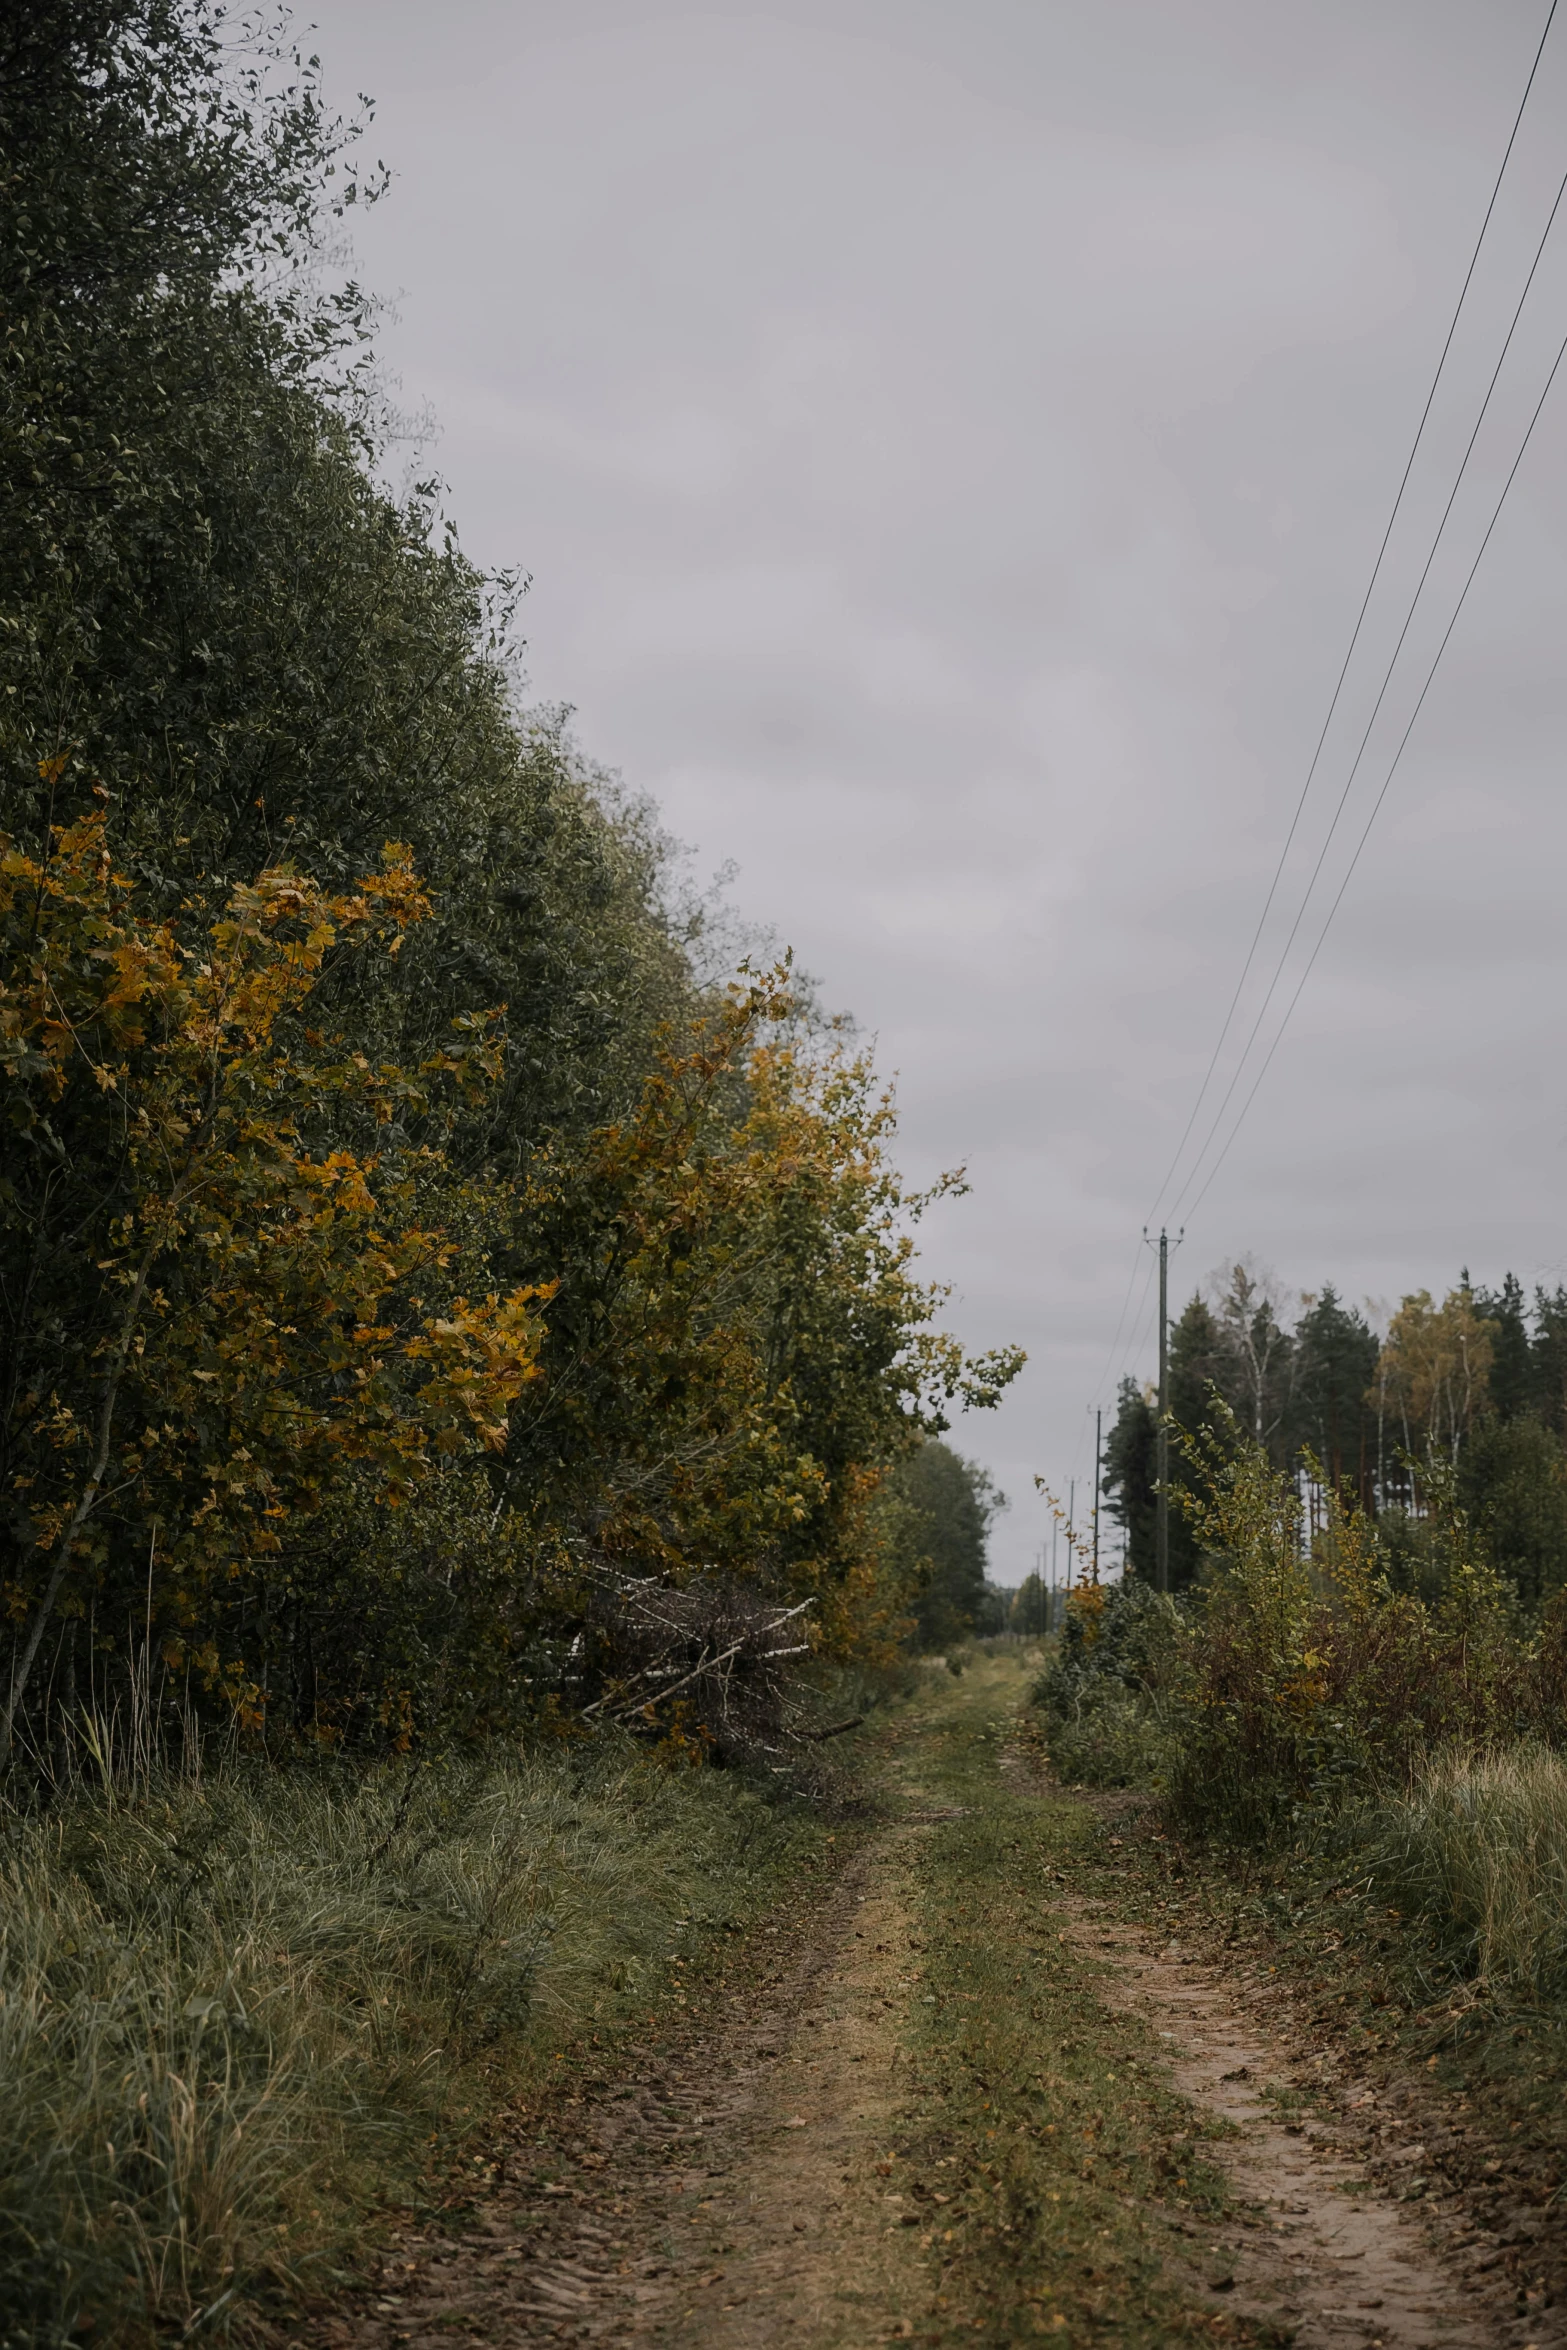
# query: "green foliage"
{"type": "Point", "coordinates": [223, 1326]}
{"type": "Point", "coordinates": [1314, 1670]}
{"type": "Point", "coordinates": [1511, 1382]}
{"type": "Point", "coordinates": [1034, 1608]}
{"type": "Point", "coordinates": [1203, 1360]}
{"type": "Point", "coordinates": [993, 1611]}
{"type": "Point", "coordinates": [1527, 1375]}
{"type": "Point", "coordinates": [1548, 1358]}
{"type": "Point", "coordinates": [1379, 1696]}
{"type": "Point", "coordinates": [1255, 1354]}
{"type": "Point", "coordinates": [216, 1280]}
{"type": "Point", "coordinates": [1129, 1477]}
{"type": "Point", "coordinates": [1335, 1362]}
{"type": "Point", "coordinates": [1103, 1698]}
{"type": "Point", "coordinates": [1477, 1378]}
{"type": "Point", "coordinates": [937, 1511]}
{"type": "Point", "coordinates": [215, 605]}
{"type": "Point", "coordinates": [1310, 1675]}
{"type": "Point", "coordinates": [1513, 1480]}
{"type": "Point", "coordinates": [425, 1291]}
{"type": "Point", "coordinates": [1208, 1354]}
{"type": "Point", "coordinates": [740, 1341]}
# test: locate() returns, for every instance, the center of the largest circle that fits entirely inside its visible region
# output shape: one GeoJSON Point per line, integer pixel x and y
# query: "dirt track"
{"type": "Point", "coordinates": [732, 2191]}
{"type": "Point", "coordinates": [728, 2191]}
{"type": "Point", "coordinates": [1322, 2251]}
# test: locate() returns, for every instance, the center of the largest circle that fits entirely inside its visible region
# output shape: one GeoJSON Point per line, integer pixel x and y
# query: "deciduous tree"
{"type": "Point", "coordinates": [214, 1314]}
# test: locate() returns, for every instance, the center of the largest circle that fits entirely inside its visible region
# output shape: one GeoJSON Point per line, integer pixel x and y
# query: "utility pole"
{"type": "Point", "coordinates": [1098, 1425]}
{"type": "Point", "coordinates": [1163, 1454]}
{"type": "Point", "coordinates": [1162, 1433]}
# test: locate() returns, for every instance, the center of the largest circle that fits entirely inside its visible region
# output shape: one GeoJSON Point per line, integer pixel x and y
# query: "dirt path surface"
{"type": "Point", "coordinates": [950, 2100]}
{"type": "Point", "coordinates": [726, 2192]}
{"type": "Point", "coordinates": [1326, 2254]}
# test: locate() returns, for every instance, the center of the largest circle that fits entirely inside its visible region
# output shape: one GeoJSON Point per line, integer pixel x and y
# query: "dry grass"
{"type": "Point", "coordinates": [1478, 1851]}
{"type": "Point", "coordinates": [230, 2007]}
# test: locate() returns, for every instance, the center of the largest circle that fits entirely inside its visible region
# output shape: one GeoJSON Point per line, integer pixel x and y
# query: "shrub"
{"type": "Point", "coordinates": [1311, 1680]}
{"type": "Point", "coordinates": [1105, 1693]}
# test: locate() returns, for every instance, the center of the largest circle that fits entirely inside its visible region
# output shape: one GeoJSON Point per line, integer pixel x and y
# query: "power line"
{"type": "Point", "coordinates": [1139, 1326]}
{"type": "Point", "coordinates": [1387, 779]}
{"type": "Point", "coordinates": [1284, 952]}
{"type": "Point", "coordinates": [1138, 1265]}
{"type": "Point", "coordinates": [1338, 689]}
{"type": "Point", "coordinates": [1134, 1336]}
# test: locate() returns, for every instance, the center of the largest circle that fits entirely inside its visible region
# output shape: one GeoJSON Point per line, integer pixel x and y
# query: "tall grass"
{"type": "Point", "coordinates": [228, 2006]}
{"type": "Point", "coordinates": [1477, 1851]}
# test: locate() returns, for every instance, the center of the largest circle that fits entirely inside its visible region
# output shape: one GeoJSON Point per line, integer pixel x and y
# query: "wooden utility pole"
{"type": "Point", "coordinates": [1162, 1432]}
{"type": "Point", "coordinates": [1162, 1556]}
{"type": "Point", "coordinates": [1098, 1425]}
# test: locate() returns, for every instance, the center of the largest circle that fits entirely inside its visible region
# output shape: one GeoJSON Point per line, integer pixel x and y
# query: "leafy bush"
{"type": "Point", "coordinates": [1308, 1703]}
{"type": "Point", "coordinates": [936, 1509]}
{"type": "Point", "coordinates": [1105, 1694]}
{"type": "Point", "coordinates": [380, 1137]}
{"type": "Point", "coordinates": [1311, 1681]}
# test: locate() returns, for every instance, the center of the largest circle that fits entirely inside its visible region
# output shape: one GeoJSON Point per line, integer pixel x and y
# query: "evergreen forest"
{"type": "Point", "coordinates": [1468, 1395]}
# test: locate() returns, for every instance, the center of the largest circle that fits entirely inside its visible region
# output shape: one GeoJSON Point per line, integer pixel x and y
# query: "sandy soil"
{"type": "Point", "coordinates": [727, 2192]}
{"type": "Point", "coordinates": [1333, 2250]}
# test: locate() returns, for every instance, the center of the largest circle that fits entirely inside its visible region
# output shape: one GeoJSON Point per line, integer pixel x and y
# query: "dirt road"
{"type": "Point", "coordinates": [959, 2102]}
{"type": "Point", "coordinates": [1318, 2247]}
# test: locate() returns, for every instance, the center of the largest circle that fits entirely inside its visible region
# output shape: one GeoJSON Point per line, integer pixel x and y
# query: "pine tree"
{"type": "Point", "coordinates": [1335, 1365]}
{"type": "Point", "coordinates": [1548, 1355]}
{"type": "Point", "coordinates": [1513, 1377]}
{"type": "Point", "coordinates": [1128, 1477]}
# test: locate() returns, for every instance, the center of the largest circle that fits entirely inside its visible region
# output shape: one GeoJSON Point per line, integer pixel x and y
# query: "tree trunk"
{"type": "Point", "coordinates": [79, 1516]}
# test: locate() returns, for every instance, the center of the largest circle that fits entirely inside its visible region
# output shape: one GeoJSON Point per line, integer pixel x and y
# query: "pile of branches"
{"type": "Point", "coordinates": [714, 1661]}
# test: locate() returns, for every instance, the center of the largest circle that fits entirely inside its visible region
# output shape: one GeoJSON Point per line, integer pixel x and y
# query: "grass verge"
{"type": "Point", "coordinates": [1386, 1977]}
{"type": "Point", "coordinates": [238, 2014]}
{"type": "Point", "coordinates": [1063, 2189]}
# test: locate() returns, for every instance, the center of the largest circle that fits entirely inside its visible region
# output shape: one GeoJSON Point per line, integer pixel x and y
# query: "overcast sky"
{"type": "Point", "coordinates": [949, 441]}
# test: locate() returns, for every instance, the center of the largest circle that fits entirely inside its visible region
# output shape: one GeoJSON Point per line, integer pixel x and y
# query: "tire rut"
{"type": "Point", "coordinates": [1344, 2244]}
{"type": "Point", "coordinates": [724, 2192]}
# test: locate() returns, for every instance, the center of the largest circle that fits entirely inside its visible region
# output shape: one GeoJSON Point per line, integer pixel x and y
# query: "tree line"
{"type": "Point", "coordinates": [410, 1239]}
{"type": "Point", "coordinates": [1469, 1393]}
